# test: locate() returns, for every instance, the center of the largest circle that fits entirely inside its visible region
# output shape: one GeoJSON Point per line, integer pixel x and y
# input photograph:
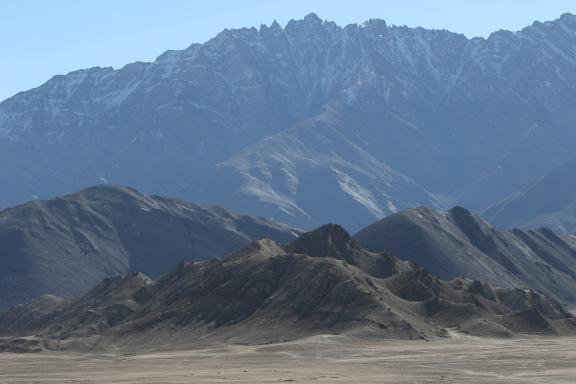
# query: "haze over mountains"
{"type": "Point", "coordinates": [310, 123]}
{"type": "Point", "coordinates": [549, 202]}
{"type": "Point", "coordinates": [323, 282]}
{"type": "Point", "coordinates": [66, 245]}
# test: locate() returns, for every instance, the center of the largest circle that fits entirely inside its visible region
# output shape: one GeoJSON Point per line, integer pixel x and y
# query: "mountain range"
{"type": "Point", "coordinates": [321, 283]}
{"type": "Point", "coordinates": [66, 245]}
{"type": "Point", "coordinates": [457, 243]}
{"type": "Point", "coordinates": [312, 123]}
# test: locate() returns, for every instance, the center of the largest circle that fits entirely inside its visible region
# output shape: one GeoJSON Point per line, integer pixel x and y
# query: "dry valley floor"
{"type": "Point", "coordinates": [322, 359]}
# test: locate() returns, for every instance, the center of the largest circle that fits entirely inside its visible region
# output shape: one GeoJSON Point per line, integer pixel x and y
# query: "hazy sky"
{"type": "Point", "coordinates": [41, 38]}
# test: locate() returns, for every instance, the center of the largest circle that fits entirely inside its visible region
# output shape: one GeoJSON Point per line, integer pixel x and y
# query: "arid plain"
{"type": "Point", "coordinates": [321, 359]}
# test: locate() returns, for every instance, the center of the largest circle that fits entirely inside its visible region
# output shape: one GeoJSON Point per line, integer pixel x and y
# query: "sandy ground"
{"type": "Point", "coordinates": [315, 360]}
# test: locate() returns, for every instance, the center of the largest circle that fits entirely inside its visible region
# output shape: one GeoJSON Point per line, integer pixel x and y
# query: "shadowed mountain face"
{"type": "Point", "coordinates": [323, 282]}
{"type": "Point", "coordinates": [66, 245]}
{"type": "Point", "coordinates": [310, 123]}
{"type": "Point", "coordinates": [550, 202]}
{"type": "Point", "coordinates": [457, 243]}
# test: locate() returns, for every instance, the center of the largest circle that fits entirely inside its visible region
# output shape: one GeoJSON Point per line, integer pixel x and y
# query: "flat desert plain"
{"type": "Point", "coordinates": [324, 359]}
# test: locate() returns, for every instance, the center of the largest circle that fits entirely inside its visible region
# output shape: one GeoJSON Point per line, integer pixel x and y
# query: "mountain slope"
{"type": "Point", "coordinates": [376, 117]}
{"type": "Point", "coordinates": [457, 243]}
{"type": "Point", "coordinates": [66, 245]}
{"type": "Point", "coordinates": [323, 282]}
{"type": "Point", "coordinates": [550, 202]}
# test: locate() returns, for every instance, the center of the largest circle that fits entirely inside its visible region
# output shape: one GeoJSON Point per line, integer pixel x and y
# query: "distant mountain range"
{"type": "Point", "coordinates": [323, 282]}
{"type": "Point", "coordinates": [312, 123]}
{"type": "Point", "coordinates": [457, 243]}
{"type": "Point", "coordinates": [66, 245]}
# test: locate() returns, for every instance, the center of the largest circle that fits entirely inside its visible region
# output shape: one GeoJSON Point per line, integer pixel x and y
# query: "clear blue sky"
{"type": "Point", "coordinates": [41, 38]}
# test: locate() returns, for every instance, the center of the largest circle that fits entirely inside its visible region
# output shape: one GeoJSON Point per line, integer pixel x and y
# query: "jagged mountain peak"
{"type": "Point", "coordinates": [312, 18]}
{"type": "Point", "coordinates": [377, 24]}
{"type": "Point", "coordinates": [330, 240]}
{"type": "Point", "coordinates": [568, 17]}
{"type": "Point", "coordinates": [502, 35]}
{"type": "Point", "coordinates": [553, 30]}
{"type": "Point", "coordinates": [274, 28]}
{"type": "Point", "coordinates": [267, 121]}
{"type": "Point", "coordinates": [311, 24]}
